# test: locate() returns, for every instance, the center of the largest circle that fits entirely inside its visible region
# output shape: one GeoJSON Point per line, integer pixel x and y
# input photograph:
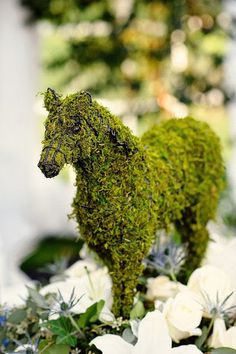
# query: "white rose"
{"type": "Point", "coordinates": [183, 315]}
{"type": "Point", "coordinates": [222, 337]}
{"type": "Point", "coordinates": [162, 288]}
{"type": "Point", "coordinates": [211, 286]}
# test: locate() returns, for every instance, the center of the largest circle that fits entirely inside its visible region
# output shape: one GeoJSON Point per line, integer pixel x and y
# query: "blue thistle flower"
{"type": "Point", "coordinates": [3, 320]}
{"type": "Point", "coordinates": [5, 342]}
{"type": "Point", "coordinates": [63, 308]}
{"type": "Point", "coordinates": [218, 307]}
{"type": "Point", "coordinates": [167, 258]}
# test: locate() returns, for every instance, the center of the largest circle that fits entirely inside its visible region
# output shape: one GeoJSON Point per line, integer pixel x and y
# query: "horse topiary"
{"type": "Point", "coordinates": [128, 188]}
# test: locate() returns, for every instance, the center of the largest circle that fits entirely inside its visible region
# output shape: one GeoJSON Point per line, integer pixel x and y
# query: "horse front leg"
{"type": "Point", "coordinates": [125, 274]}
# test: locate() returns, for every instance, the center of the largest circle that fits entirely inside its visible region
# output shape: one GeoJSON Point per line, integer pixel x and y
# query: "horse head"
{"type": "Point", "coordinates": [66, 138]}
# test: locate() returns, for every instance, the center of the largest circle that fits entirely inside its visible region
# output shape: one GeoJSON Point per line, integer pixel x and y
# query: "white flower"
{"type": "Point", "coordinates": [134, 324]}
{"type": "Point", "coordinates": [211, 287]}
{"type": "Point", "coordinates": [221, 254]}
{"type": "Point", "coordinates": [80, 268]}
{"type": "Point", "coordinates": [222, 337]}
{"type": "Point", "coordinates": [183, 315]}
{"type": "Point", "coordinates": [153, 338]}
{"type": "Point", "coordinates": [162, 288]}
{"type": "Point", "coordinates": [25, 348]}
{"type": "Point", "coordinates": [89, 288]}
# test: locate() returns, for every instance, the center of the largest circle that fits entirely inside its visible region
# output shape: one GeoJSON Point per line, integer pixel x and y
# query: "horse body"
{"type": "Point", "coordinates": [128, 188]}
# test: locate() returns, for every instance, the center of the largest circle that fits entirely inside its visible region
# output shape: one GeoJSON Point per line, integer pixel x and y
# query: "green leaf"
{"type": "Point", "coordinates": [17, 316]}
{"type": "Point", "coordinates": [55, 349]}
{"type": "Point", "coordinates": [2, 334]}
{"type": "Point", "coordinates": [128, 335]}
{"type": "Point", "coordinates": [223, 350]}
{"type": "Point", "coordinates": [137, 311]}
{"type": "Point", "coordinates": [67, 339]}
{"type": "Point", "coordinates": [201, 340]}
{"type": "Point", "coordinates": [63, 329]}
{"type": "Point", "coordinates": [91, 315]}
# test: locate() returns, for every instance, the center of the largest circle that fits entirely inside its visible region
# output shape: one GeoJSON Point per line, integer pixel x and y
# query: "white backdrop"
{"type": "Point", "coordinates": [29, 204]}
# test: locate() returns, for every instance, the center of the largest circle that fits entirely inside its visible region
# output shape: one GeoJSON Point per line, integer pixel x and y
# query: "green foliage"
{"type": "Point", "coordinates": [91, 315]}
{"type": "Point", "coordinates": [54, 348]}
{"type": "Point", "coordinates": [62, 248]}
{"type": "Point", "coordinates": [202, 339]}
{"type": "Point", "coordinates": [132, 53]}
{"type": "Point", "coordinates": [31, 324]}
{"type": "Point", "coordinates": [63, 329]}
{"type": "Point", "coordinates": [223, 351]}
{"type": "Point", "coordinates": [128, 188]}
{"type": "Point", "coordinates": [137, 311]}
{"type": "Point", "coordinates": [17, 316]}
{"type": "Point", "coordinates": [15, 326]}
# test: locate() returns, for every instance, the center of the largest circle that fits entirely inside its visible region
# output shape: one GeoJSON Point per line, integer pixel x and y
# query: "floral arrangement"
{"type": "Point", "coordinates": [73, 313]}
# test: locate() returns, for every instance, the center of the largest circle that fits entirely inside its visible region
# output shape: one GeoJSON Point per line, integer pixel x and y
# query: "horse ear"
{"type": "Point", "coordinates": [87, 96]}
{"type": "Point", "coordinates": [51, 99]}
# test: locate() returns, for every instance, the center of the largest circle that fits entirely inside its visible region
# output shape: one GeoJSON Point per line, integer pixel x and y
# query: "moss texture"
{"type": "Point", "coordinates": [127, 188]}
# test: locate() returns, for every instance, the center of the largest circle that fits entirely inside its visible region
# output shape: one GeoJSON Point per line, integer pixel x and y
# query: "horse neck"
{"type": "Point", "coordinates": [114, 131]}
{"type": "Point", "coordinates": [111, 139]}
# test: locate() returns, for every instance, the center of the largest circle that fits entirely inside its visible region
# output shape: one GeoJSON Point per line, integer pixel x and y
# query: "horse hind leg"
{"type": "Point", "coordinates": [192, 228]}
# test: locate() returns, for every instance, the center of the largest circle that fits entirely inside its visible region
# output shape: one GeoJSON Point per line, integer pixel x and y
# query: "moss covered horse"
{"type": "Point", "coordinates": [127, 187]}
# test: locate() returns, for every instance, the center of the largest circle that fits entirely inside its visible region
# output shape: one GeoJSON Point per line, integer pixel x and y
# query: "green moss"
{"type": "Point", "coordinates": [127, 187]}
{"type": "Point", "coordinates": [190, 182]}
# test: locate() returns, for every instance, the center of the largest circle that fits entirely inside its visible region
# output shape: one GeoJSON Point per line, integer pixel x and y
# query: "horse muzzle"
{"type": "Point", "coordinates": [49, 170]}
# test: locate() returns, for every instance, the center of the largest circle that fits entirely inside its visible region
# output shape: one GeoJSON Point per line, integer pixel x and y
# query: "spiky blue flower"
{"type": "Point", "coordinates": [167, 258]}
{"type": "Point", "coordinates": [62, 307]}
{"type": "Point", "coordinates": [217, 307]}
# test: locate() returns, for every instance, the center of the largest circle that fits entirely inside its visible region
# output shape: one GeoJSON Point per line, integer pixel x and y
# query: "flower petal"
{"type": "Point", "coordinates": [162, 288]}
{"type": "Point", "coordinates": [229, 338]}
{"type": "Point", "coordinates": [153, 335]}
{"type": "Point", "coordinates": [81, 268]}
{"type": "Point", "coordinates": [106, 315]}
{"type": "Point", "coordinates": [210, 284]}
{"type": "Point", "coordinates": [218, 329]}
{"type": "Point", "coordinates": [110, 343]}
{"type": "Point", "coordinates": [185, 349]}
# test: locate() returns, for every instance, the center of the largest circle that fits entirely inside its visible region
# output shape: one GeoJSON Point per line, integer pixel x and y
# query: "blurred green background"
{"type": "Point", "coordinates": [146, 56]}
